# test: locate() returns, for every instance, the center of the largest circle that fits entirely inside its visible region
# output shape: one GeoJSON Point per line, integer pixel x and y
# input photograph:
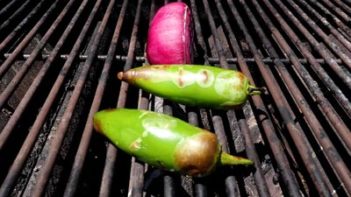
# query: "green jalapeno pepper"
{"type": "Point", "coordinates": [164, 141]}
{"type": "Point", "coordinates": [194, 85]}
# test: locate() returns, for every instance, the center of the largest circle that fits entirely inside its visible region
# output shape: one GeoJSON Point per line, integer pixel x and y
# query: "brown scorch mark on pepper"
{"type": "Point", "coordinates": [239, 86]}
{"type": "Point", "coordinates": [241, 77]}
{"type": "Point", "coordinates": [120, 75]}
{"type": "Point", "coordinates": [97, 122]}
{"type": "Point", "coordinates": [160, 66]}
{"type": "Point", "coordinates": [127, 76]}
{"type": "Point", "coordinates": [198, 154]}
{"type": "Point", "coordinates": [205, 73]}
{"type": "Point", "coordinates": [180, 78]}
{"type": "Point", "coordinates": [97, 125]}
{"type": "Point", "coordinates": [134, 146]}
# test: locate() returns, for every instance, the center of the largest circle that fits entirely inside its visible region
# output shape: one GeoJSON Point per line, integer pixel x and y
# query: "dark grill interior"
{"type": "Point", "coordinates": [58, 65]}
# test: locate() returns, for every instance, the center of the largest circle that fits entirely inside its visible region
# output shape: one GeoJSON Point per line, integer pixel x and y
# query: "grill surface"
{"type": "Point", "coordinates": [58, 65]}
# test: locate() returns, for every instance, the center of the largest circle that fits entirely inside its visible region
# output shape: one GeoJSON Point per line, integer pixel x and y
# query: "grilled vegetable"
{"type": "Point", "coordinates": [195, 85]}
{"type": "Point", "coordinates": [164, 141]}
{"type": "Point", "coordinates": [170, 35]}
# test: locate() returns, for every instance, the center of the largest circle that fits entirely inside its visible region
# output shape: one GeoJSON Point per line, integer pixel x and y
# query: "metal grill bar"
{"type": "Point", "coordinates": [282, 161]}
{"type": "Point", "coordinates": [331, 16]}
{"type": "Point", "coordinates": [337, 122]}
{"type": "Point", "coordinates": [217, 43]}
{"type": "Point", "coordinates": [20, 26]}
{"type": "Point", "coordinates": [51, 97]}
{"type": "Point", "coordinates": [19, 76]}
{"type": "Point", "coordinates": [62, 128]}
{"type": "Point", "coordinates": [14, 16]}
{"type": "Point", "coordinates": [316, 126]}
{"type": "Point", "coordinates": [318, 68]}
{"type": "Point", "coordinates": [323, 21]}
{"type": "Point", "coordinates": [231, 183]}
{"type": "Point", "coordinates": [15, 81]}
{"type": "Point", "coordinates": [321, 72]}
{"type": "Point", "coordinates": [168, 179]}
{"type": "Point", "coordinates": [309, 116]}
{"type": "Point", "coordinates": [305, 148]}
{"type": "Point", "coordinates": [72, 184]}
{"type": "Point", "coordinates": [329, 42]}
{"type": "Point", "coordinates": [324, 52]}
{"type": "Point", "coordinates": [251, 153]}
{"type": "Point", "coordinates": [9, 60]}
{"type": "Point", "coordinates": [111, 155]}
{"type": "Point", "coordinates": [7, 8]}
{"type": "Point", "coordinates": [343, 6]}
{"type": "Point", "coordinates": [136, 178]}
{"type": "Point", "coordinates": [198, 31]}
{"type": "Point", "coordinates": [301, 141]}
{"type": "Point", "coordinates": [338, 11]}
{"type": "Point", "coordinates": [33, 133]}
{"type": "Point", "coordinates": [268, 127]}
{"type": "Point", "coordinates": [210, 60]}
{"type": "Point", "coordinates": [260, 182]}
{"type": "Point", "coordinates": [326, 106]}
{"type": "Point", "coordinates": [200, 183]}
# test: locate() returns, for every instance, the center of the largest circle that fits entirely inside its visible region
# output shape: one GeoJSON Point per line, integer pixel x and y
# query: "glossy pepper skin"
{"type": "Point", "coordinates": [193, 85]}
{"type": "Point", "coordinates": [164, 141]}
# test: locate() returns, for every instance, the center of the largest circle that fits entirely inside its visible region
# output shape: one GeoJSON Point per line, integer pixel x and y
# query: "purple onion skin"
{"type": "Point", "coordinates": [170, 35]}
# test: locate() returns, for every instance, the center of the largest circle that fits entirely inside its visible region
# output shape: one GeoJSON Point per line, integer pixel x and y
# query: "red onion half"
{"type": "Point", "coordinates": [170, 37]}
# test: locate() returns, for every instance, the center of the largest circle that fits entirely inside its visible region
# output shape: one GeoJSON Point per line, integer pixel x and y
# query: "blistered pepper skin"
{"type": "Point", "coordinates": [193, 85]}
{"type": "Point", "coordinates": [164, 141]}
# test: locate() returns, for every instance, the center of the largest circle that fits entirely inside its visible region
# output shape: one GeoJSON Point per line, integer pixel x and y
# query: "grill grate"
{"type": "Point", "coordinates": [58, 62]}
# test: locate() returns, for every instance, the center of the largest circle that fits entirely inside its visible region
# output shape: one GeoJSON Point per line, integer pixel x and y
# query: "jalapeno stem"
{"type": "Point", "coordinates": [253, 90]}
{"type": "Point", "coordinates": [227, 159]}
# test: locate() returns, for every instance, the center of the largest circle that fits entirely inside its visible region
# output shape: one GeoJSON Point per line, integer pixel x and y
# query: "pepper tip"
{"type": "Point", "coordinates": [120, 75]}
{"type": "Point", "coordinates": [97, 122]}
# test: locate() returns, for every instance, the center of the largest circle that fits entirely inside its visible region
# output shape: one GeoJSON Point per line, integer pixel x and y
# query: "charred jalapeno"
{"type": "Point", "coordinates": [194, 85]}
{"type": "Point", "coordinates": [164, 141]}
